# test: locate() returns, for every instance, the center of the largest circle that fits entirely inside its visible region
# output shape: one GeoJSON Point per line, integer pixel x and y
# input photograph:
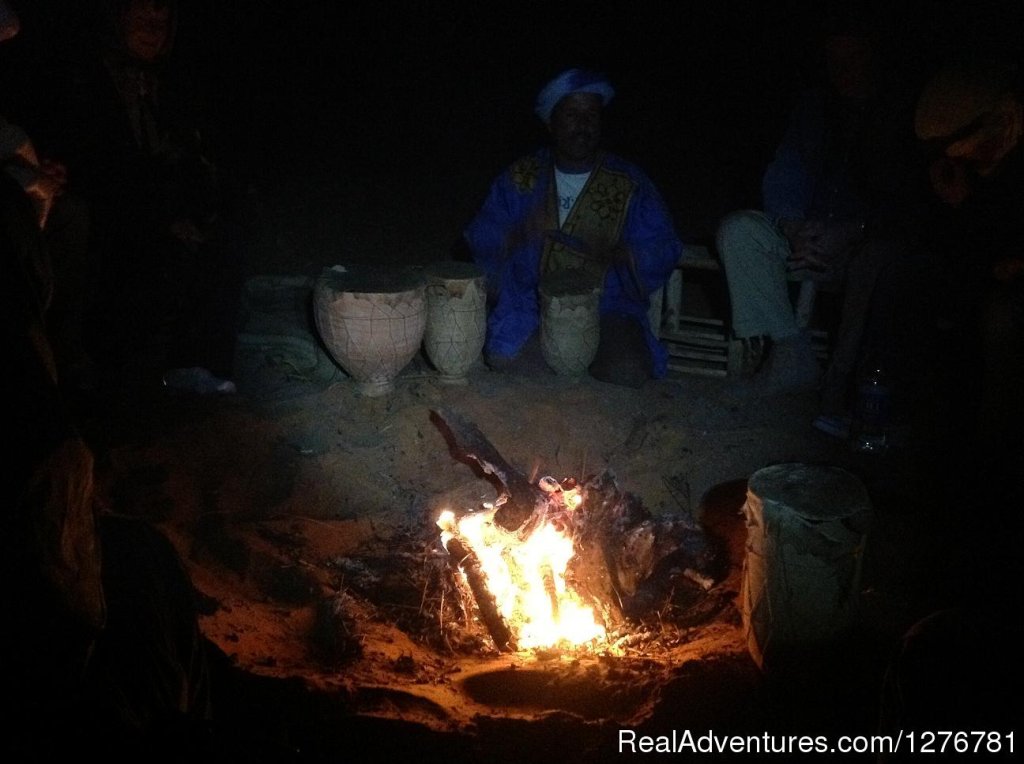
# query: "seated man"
{"type": "Point", "coordinates": [830, 199]}
{"type": "Point", "coordinates": [970, 118]}
{"type": "Point", "coordinates": [576, 207]}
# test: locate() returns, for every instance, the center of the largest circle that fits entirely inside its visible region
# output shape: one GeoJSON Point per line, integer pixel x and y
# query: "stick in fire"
{"type": "Point", "coordinates": [518, 498]}
{"type": "Point", "coordinates": [468, 563]}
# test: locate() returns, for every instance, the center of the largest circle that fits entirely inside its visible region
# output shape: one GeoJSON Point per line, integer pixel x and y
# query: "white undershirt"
{"type": "Point", "coordinates": [568, 185]}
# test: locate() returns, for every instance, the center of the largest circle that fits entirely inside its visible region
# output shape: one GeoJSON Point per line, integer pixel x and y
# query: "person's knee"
{"type": "Point", "coordinates": [738, 224]}
{"type": "Point", "coordinates": [737, 229]}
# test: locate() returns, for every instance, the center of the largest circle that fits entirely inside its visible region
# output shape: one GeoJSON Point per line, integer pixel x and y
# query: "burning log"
{"type": "Point", "coordinates": [625, 551]}
{"type": "Point", "coordinates": [518, 498]}
{"type": "Point", "coordinates": [469, 564]}
{"type": "Point", "coordinates": [565, 561]}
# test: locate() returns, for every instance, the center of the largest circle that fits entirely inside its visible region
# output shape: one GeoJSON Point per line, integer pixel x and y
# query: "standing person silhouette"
{"type": "Point", "coordinates": [162, 206]}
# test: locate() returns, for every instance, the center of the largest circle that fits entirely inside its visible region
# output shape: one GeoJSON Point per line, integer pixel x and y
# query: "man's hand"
{"type": "Point", "coordinates": [803, 237]}
{"type": "Point", "coordinates": [817, 245]}
{"type": "Point", "coordinates": [45, 183]}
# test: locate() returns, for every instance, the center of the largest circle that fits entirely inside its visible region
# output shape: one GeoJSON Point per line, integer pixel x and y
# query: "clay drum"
{"type": "Point", "coordinates": [371, 321]}
{"type": "Point", "coordinates": [570, 322]}
{"type": "Point", "coordinates": [456, 319]}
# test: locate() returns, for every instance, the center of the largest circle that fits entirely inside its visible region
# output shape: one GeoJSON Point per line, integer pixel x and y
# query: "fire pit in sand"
{"type": "Point", "coordinates": [565, 563]}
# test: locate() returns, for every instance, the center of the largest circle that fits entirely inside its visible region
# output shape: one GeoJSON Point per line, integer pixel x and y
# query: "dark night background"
{"type": "Point", "coordinates": [313, 92]}
{"type": "Point", "coordinates": [422, 104]}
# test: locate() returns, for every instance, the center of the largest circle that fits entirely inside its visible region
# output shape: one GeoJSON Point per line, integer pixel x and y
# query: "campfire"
{"type": "Point", "coordinates": [563, 564]}
{"type": "Point", "coordinates": [524, 575]}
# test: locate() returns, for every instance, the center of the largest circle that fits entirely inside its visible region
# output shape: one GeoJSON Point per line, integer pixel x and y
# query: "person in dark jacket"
{"type": "Point", "coordinates": [832, 200]}
{"type": "Point", "coordinates": [969, 122]}
{"type": "Point", "coordinates": [138, 145]}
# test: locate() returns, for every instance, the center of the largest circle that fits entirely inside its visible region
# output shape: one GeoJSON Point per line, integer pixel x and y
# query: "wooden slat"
{"type": "Point", "coordinates": [703, 341]}
{"type": "Point", "coordinates": [706, 338]}
{"type": "Point", "coordinates": [700, 370]}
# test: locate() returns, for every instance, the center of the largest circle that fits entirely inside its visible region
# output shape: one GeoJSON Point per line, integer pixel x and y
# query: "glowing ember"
{"type": "Point", "coordinates": [527, 577]}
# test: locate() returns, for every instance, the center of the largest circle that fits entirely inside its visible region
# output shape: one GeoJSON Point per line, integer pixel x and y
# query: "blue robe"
{"type": "Point", "coordinates": [516, 236]}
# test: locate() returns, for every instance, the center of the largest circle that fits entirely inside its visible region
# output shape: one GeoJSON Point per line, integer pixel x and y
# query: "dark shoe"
{"type": "Point", "coordinates": [836, 425]}
{"type": "Point", "coordinates": [755, 350]}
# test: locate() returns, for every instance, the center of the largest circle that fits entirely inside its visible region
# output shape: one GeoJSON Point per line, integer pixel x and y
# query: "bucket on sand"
{"type": "Point", "coordinates": [806, 532]}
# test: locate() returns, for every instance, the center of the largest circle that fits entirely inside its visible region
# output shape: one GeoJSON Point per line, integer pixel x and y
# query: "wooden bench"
{"type": "Point", "coordinates": [703, 344]}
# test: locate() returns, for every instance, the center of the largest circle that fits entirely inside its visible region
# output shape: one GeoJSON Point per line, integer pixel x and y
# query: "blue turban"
{"type": "Point", "coordinates": [567, 83]}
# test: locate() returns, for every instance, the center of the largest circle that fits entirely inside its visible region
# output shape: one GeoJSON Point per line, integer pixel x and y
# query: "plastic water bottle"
{"type": "Point", "coordinates": [869, 432]}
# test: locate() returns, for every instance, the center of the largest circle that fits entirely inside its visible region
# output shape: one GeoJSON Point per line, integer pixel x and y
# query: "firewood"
{"type": "Point", "coordinates": [468, 563]}
{"type": "Point", "coordinates": [620, 551]}
{"type": "Point", "coordinates": [518, 497]}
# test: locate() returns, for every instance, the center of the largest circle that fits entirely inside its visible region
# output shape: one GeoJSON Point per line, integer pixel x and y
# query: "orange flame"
{"type": "Point", "coordinates": [527, 578]}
